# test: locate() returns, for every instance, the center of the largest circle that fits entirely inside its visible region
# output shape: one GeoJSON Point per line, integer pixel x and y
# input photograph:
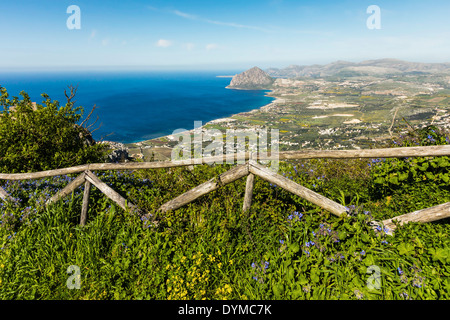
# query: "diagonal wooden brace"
{"type": "Point", "coordinates": [5, 196]}
{"type": "Point", "coordinates": [67, 189]}
{"type": "Point", "coordinates": [425, 215]}
{"type": "Point", "coordinates": [206, 187]}
{"type": "Point", "coordinates": [111, 193]}
{"type": "Point", "coordinates": [296, 189]}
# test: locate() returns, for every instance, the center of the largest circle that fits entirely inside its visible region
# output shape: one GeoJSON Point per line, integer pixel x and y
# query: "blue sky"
{"type": "Point", "coordinates": [224, 34]}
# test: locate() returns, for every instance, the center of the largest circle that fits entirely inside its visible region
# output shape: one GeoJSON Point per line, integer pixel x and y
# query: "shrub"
{"type": "Point", "coordinates": [35, 137]}
{"type": "Point", "coordinates": [390, 175]}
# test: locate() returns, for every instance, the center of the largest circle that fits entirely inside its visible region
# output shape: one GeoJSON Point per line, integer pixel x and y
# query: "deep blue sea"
{"type": "Point", "coordinates": [141, 105]}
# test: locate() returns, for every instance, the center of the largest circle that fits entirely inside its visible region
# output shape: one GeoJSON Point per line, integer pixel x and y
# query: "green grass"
{"type": "Point", "coordinates": [283, 248]}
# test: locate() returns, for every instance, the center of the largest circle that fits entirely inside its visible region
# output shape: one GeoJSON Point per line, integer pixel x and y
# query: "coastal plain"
{"type": "Point", "coordinates": [337, 111]}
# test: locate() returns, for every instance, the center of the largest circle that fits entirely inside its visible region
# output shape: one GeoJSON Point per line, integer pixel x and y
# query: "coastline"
{"type": "Point", "coordinates": [159, 146]}
{"type": "Point", "coordinates": [218, 120]}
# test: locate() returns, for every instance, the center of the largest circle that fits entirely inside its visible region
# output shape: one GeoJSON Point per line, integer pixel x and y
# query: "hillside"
{"type": "Point", "coordinates": [369, 67]}
{"type": "Point", "coordinates": [252, 79]}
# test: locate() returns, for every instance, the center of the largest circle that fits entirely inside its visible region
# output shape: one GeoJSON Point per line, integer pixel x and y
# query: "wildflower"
{"type": "Point", "coordinates": [417, 282]}
{"type": "Point", "coordinates": [282, 241]}
{"type": "Point", "coordinates": [306, 288]}
{"type": "Point", "coordinates": [253, 265]}
{"type": "Point", "coordinates": [403, 279]}
{"type": "Point", "coordinates": [359, 295]}
{"type": "Point", "coordinates": [405, 296]}
{"type": "Point", "coordinates": [309, 243]}
{"type": "Point", "coordinates": [400, 272]}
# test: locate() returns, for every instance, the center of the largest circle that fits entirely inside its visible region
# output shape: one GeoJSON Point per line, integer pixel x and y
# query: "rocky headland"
{"type": "Point", "coordinates": [252, 79]}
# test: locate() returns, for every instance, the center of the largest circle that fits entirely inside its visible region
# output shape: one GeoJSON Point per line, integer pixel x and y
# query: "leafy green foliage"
{"type": "Point", "coordinates": [42, 137]}
{"type": "Point", "coordinates": [392, 174]}
{"type": "Point", "coordinates": [283, 248]}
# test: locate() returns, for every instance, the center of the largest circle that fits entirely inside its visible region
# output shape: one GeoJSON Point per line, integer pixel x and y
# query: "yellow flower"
{"type": "Point", "coordinates": [231, 261]}
{"type": "Point", "coordinates": [219, 265]}
{"type": "Point", "coordinates": [228, 288]}
{"type": "Point", "coordinates": [388, 198]}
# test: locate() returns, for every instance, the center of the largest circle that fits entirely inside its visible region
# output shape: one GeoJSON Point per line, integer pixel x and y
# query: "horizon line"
{"type": "Point", "coordinates": [204, 67]}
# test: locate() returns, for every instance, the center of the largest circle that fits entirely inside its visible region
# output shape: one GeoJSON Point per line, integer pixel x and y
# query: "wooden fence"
{"type": "Point", "coordinates": [248, 167]}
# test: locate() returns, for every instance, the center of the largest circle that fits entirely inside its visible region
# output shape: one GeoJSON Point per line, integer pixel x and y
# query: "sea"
{"type": "Point", "coordinates": [134, 106]}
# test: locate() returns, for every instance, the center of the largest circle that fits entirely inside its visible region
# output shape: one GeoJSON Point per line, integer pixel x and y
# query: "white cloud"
{"type": "Point", "coordinates": [163, 43]}
{"type": "Point", "coordinates": [220, 23]}
{"type": "Point", "coordinates": [105, 42]}
{"type": "Point", "coordinates": [93, 34]}
{"type": "Point", "coordinates": [189, 46]}
{"type": "Point", "coordinates": [185, 15]}
{"type": "Point", "coordinates": [211, 46]}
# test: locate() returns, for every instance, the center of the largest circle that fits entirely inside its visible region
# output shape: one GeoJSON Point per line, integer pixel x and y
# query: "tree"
{"type": "Point", "coordinates": [35, 137]}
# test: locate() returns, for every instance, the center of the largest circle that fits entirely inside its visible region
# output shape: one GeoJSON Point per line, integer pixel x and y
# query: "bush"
{"type": "Point", "coordinates": [390, 175]}
{"type": "Point", "coordinates": [36, 137]}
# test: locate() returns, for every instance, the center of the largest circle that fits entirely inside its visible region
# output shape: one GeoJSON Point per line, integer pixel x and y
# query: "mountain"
{"type": "Point", "coordinates": [252, 79]}
{"type": "Point", "coordinates": [365, 68]}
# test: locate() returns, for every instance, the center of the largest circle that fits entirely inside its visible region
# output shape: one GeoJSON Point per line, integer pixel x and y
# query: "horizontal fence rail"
{"type": "Point", "coordinates": [431, 151]}
{"type": "Point", "coordinates": [247, 167]}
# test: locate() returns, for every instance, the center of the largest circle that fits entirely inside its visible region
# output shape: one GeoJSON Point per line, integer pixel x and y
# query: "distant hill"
{"type": "Point", "coordinates": [252, 79]}
{"type": "Point", "coordinates": [365, 68]}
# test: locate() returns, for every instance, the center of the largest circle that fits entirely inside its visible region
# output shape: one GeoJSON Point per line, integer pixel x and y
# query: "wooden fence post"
{"type": "Point", "coordinates": [85, 207]}
{"type": "Point", "coordinates": [248, 192]}
{"type": "Point", "coordinates": [249, 186]}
